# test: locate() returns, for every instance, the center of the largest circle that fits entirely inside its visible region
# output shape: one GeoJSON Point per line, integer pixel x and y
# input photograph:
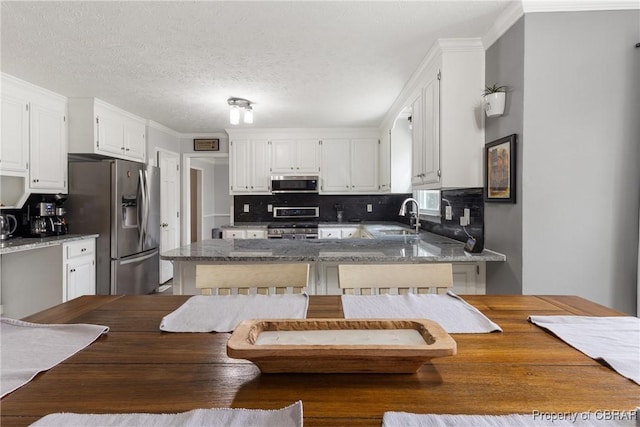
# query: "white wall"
{"type": "Point", "coordinates": [581, 177]}
{"type": "Point", "coordinates": [160, 137]}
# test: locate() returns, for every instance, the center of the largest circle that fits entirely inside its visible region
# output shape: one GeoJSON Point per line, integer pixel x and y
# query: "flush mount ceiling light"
{"type": "Point", "coordinates": [238, 105]}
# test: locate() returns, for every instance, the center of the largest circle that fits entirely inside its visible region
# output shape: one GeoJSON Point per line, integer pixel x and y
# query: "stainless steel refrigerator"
{"type": "Point", "coordinates": [120, 201]}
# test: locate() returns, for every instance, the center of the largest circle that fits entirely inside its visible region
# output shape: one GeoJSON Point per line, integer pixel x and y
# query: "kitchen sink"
{"type": "Point", "coordinates": [399, 232]}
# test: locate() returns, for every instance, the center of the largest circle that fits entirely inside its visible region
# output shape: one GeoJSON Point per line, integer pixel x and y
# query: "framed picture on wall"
{"type": "Point", "coordinates": [500, 170]}
{"type": "Point", "coordinates": [206, 145]}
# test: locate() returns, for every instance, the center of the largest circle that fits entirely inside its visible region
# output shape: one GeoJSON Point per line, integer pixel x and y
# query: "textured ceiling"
{"type": "Point", "coordinates": [303, 64]}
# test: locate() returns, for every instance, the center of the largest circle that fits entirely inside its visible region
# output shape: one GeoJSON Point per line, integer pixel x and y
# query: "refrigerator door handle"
{"type": "Point", "coordinates": [143, 196]}
{"type": "Point", "coordinates": [147, 203]}
{"type": "Point", "coordinates": [139, 259]}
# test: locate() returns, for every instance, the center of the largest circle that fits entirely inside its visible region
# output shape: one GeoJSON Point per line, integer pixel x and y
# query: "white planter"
{"type": "Point", "coordinates": [494, 104]}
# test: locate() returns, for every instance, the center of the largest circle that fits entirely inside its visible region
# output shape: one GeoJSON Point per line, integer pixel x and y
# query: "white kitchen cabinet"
{"type": "Point", "coordinates": [100, 128]}
{"type": "Point", "coordinates": [384, 163]}
{"type": "Point", "coordinates": [329, 233]}
{"type": "Point", "coordinates": [79, 269]}
{"type": "Point", "coordinates": [48, 148]}
{"type": "Point", "coordinates": [295, 156]}
{"type": "Point", "coordinates": [448, 138]}
{"type": "Point", "coordinates": [250, 164]}
{"type": "Point", "coordinates": [349, 165]}
{"type": "Point", "coordinates": [244, 233]}
{"type": "Point", "coordinates": [426, 134]}
{"type": "Point", "coordinates": [14, 146]}
{"type": "Point", "coordinates": [34, 139]}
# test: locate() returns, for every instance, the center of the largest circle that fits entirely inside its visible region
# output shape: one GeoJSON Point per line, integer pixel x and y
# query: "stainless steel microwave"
{"type": "Point", "coordinates": [294, 184]}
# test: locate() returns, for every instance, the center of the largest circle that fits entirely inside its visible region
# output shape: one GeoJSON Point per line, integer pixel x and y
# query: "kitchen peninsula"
{"type": "Point", "coordinates": [378, 243]}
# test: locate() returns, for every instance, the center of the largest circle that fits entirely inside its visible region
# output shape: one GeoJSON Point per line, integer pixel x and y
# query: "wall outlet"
{"type": "Point", "coordinates": [245, 208]}
{"type": "Point", "coordinates": [463, 221]}
{"type": "Point", "coordinates": [467, 216]}
{"type": "Point", "coordinates": [369, 207]}
{"type": "Point", "coordinates": [269, 208]}
{"type": "Point", "coordinates": [448, 212]}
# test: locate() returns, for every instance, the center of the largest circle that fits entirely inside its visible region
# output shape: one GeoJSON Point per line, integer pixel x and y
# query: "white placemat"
{"type": "Point", "coordinates": [29, 348]}
{"type": "Point", "coordinates": [210, 313]}
{"type": "Point", "coordinates": [291, 416]}
{"type": "Point", "coordinates": [535, 419]}
{"type": "Point", "coordinates": [616, 340]}
{"type": "Point", "coordinates": [449, 310]}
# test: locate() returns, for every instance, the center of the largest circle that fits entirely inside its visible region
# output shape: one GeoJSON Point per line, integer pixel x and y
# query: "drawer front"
{"type": "Point", "coordinates": [79, 249]}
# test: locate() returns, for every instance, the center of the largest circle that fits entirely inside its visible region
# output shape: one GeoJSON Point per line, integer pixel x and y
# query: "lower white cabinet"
{"type": "Point", "coordinates": [79, 269]}
{"type": "Point", "coordinates": [346, 232]}
{"type": "Point", "coordinates": [468, 278]}
{"type": "Point", "coordinates": [244, 233]}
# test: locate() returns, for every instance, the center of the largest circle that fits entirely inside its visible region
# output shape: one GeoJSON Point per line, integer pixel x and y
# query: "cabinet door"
{"type": "Point", "coordinates": [431, 129]}
{"type": "Point", "coordinates": [261, 169]}
{"type": "Point", "coordinates": [335, 166]}
{"type": "Point", "coordinates": [464, 278]}
{"type": "Point", "coordinates": [240, 169]}
{"type": "Point", "coordinates": [48, 155]}
{"type": "Point", "coordinates": [329, 233]}
{"type": "Point", "coordinates": [283, 155]}
{"type": "Point", "coordinates": [364, 165]}
{"type": "Point", "coordinates": [81, 278]}
{"type": "Point", "coordinates": [417, 143]}
{"type": "Point", "coordinates": [134, 139]}
{"type": "Point", "coordinates": [384, 163]}
{"type": "Point", "coordinates": [307, 156]}
{"type": "Point", "coordinates": [256, 234]}
{"type": "Point", "coordinates": [110, 131]}
{"type": "Point", "coordinates": [14, 146]}
{"type": "Point", "coordinates": [234, 234]}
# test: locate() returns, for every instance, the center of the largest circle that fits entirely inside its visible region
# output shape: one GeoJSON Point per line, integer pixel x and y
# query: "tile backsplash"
{"type": "Point", "coordinates": [471, 198]}
{"type": "Point", "coordinates": [384, 207]}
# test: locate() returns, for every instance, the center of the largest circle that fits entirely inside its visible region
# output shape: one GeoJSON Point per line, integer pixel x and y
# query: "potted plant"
{"type": "Point", "coordinates": [494, 99]}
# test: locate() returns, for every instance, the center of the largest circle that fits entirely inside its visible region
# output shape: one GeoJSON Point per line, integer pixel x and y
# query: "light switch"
{"type": "Point", "coordinates": [269, 208]}
{"type": "Point", "coordinates": [246, 207]}
{"type": "Point", "coordinates": [369, 207]}
{"type": "Point", "coordinates": [448, 212]}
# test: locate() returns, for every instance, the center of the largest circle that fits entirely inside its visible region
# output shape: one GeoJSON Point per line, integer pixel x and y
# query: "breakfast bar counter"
{"type": "Point", "coordinates": [135, 367]}
{"type": "Point", "coordinates": [383, 247]}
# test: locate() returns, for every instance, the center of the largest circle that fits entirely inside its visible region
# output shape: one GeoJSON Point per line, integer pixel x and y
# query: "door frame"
{"type": "Point", "coordinates": [186, 187]}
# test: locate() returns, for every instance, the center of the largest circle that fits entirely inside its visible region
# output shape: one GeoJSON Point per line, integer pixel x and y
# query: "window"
{"type": "Point", "coordinates": [429, 204]}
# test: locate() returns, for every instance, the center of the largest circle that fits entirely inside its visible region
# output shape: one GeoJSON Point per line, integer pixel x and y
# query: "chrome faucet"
{"type": "Point", "coordinates": [414, 214]}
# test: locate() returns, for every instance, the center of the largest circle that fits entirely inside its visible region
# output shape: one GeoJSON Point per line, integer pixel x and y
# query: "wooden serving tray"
{"type": "Point", "coordinates": [364, 355]}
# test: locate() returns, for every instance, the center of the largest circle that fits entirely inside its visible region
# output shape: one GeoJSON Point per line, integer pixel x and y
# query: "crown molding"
{"type": "Point", "coordinates": [538, 6]}
{"type": "Point", "coordinates": [502, 24]}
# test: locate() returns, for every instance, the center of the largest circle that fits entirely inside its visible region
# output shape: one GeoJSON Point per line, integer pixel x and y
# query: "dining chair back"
{"type": "Point", "coordinates": [265, 278]}
{"type": "Point", "coordinates": [370, 279]}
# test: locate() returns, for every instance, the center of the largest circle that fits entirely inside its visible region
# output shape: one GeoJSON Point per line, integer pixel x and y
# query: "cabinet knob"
{"type": "Point", "coordinates": [73, 270]}
{"type": "Point", "coordinates": [122, 148]}
{"type": "Point", "coordinates": [127, 149]}
{"type": "Point", "coordinates": [164, 225]}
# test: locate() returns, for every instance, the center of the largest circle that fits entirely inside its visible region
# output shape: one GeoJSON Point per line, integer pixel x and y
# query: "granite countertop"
{"type": "Point", "coordinates": [18, 244]}
{"type": "Point", "coordinates": [389, 242]}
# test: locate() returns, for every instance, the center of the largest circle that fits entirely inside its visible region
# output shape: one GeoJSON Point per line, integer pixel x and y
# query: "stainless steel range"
{"type": "Point", "coordinates": [289, 228]}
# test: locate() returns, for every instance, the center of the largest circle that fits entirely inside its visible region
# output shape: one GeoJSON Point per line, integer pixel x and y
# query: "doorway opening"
{"type": "Point", "coordinates": [195, 175]}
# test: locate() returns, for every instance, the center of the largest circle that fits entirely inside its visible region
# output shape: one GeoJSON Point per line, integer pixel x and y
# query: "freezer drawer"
{"type": "Point", "coordinates": [136, 275]}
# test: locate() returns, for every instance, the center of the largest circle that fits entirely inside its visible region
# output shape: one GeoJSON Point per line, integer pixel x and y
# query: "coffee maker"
{"type": "Point", "coordinates": [42, 223]}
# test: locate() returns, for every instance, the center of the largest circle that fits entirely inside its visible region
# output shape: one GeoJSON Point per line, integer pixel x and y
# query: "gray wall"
{"type": "Point", "coordinates": [575, 104]}
{"type": "Point", "coordinates": [504, 65]}
{"type": "Point", "coordinates": [581, 175]}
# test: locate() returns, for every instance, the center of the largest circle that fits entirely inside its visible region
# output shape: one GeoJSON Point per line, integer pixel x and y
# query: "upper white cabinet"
{"type": "Point", "coordinates": [294, 156]}
{"type": "Point", "coordinates": [48, 148]}
{"type": "Point", "coordinates": [349, 165]}
{"type": "Point", "coordinates": [426, 133]}
{"type": "Point", "coordinates": [33, 148]}
{"type": "Point", "coordinates": [14, 148]}
{"type": "Point", "coordinates": [447, 117]}
{"type": "Point", "coordinates": [99, 128]}
{"type": "Point", "coordinates": [249, 160]}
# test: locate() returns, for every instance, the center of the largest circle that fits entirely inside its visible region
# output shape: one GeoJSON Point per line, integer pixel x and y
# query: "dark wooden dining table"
{"type": "Point", "coordinates": [138, 368]}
